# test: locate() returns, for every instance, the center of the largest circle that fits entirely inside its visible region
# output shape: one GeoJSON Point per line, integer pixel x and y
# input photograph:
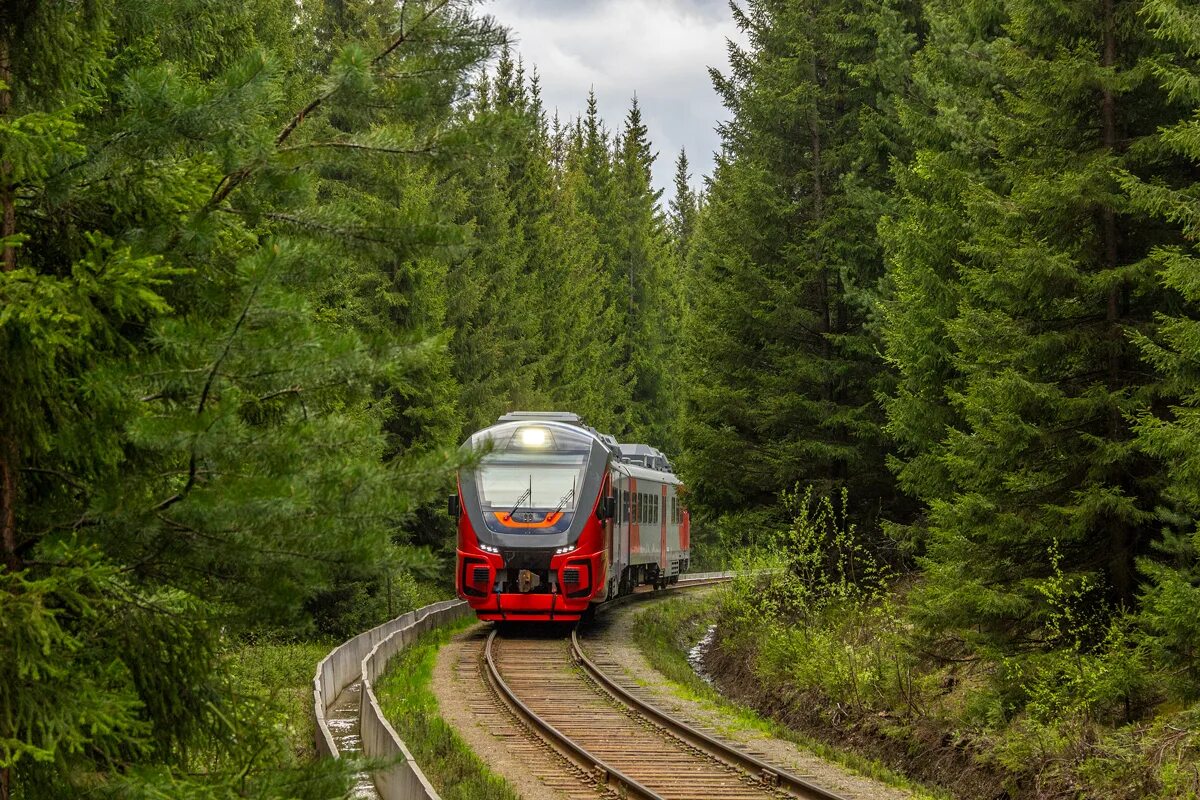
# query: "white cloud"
{"type": "Point", "coordinates": [657, 49]}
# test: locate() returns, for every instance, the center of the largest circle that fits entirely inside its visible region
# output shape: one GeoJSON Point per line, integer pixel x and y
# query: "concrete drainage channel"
{"type": "Point", "coordinates": [349, 720]}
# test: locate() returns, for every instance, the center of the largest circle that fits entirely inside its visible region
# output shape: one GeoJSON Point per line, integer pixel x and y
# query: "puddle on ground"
{"type": "Point", "coordinates": [696, 655]}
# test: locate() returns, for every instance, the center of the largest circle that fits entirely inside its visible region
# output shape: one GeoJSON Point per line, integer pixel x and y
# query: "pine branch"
{"type": "Point", "coordinates": [64, 477]}
{"type": "Point", "coordinates": [204, 394]}
{"type": "Point", "coordinates": [428, 150]}
{"type": "Point", "coordinates": [234, 179]}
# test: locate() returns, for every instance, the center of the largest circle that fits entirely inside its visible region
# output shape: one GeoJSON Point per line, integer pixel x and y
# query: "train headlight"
{"type": "Point", "coordinates": [566, 549]}
{"type": "Point", "coordinates": [487, 548]}
{"type": "Point", "coordinates": [534, 437]}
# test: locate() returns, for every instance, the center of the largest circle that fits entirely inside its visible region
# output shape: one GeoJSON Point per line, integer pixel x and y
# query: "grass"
{"type": "Point", "coordinates": [409, 704]}
{"type": "Point", "coordinates": [282, 673]}
{"type": "Point", "coordinates": [666, 630]}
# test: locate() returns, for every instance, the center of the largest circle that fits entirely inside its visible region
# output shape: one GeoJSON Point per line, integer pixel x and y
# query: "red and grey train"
{"type": "Point", "coordinates": [555, 518]}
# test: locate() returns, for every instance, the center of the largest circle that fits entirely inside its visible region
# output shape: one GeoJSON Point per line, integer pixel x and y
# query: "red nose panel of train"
{"type": "Point", "coordinates": [560, 593]}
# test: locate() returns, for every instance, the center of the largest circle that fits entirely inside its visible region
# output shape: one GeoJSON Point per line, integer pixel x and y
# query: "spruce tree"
{"type": "Point", "coordinates": [641, 272]}
{"type": "Point", "coordinates": [193, 438]}
{"type": "Point", "coordinates": [1170, 428]}
{"type": "Point", "coordinates": [1011, 322]}
{"type": "Point", "coordinates": [782, 369]}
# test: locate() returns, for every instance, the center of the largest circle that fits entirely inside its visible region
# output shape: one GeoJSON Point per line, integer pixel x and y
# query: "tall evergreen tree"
{"type": "Point", "coordinates": [1170, 428]}
{"type": "Point", "coordinates": [192, 434]}
{"type": "Point", "coordinates": [641, 273]}
{"type": "Point", "coordinates": [1011, 326]}
{"type": "Point", "coordinates": [683, 208]}
{"type": "Point", "coordinates": [782, 368]}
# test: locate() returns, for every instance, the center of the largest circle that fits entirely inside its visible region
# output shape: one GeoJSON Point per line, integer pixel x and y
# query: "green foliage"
{"type": "Point", "coordinates": [814, 609]}
{"type": "Point", "coordinates": [1010, 320]}
{"type": "Point", "coordinates": [1170, 429]}
{"type": "Point", "coordinates": [782, 367]}
{"type": "Point", "coordinates": [225, 387]}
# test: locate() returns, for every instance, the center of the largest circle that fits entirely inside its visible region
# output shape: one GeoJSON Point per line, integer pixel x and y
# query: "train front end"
{"type": "Point", "coordinates": [532, 520]}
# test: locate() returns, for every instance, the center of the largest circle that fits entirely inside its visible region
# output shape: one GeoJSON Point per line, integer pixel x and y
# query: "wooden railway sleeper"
{"type": "Point", "coordinates": [613, 779]}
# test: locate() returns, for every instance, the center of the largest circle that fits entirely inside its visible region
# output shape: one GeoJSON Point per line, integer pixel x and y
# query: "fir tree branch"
{"type": "Point", "coordinates": [204, 394]}
{"type": "Point", "coordinates": [428, 150]}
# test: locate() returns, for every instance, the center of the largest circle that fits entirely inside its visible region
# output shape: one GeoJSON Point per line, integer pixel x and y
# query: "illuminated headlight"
{"type": "Point", "coordinates": [487, 548]}
{"type": "Point", "coordinates": [566, 549]}
{"type": "Point", "coordinates": [534, 437]}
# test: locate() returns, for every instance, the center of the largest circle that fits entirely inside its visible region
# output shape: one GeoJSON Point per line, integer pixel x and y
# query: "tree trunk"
{"type": "Point", "coordinates": [8, 466]}
{"type": "Point", "coordinates": [1121, 536]}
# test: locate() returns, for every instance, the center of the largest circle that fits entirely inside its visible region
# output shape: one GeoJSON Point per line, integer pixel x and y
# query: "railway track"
{"type": "Point", "coordinates": [616, 741]}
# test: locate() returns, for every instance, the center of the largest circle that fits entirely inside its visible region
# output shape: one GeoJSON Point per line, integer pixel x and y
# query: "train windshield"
{"type": "Point", "coordinates": [531, 466]}
{"type": "Point", "coordinates": [511, 481]}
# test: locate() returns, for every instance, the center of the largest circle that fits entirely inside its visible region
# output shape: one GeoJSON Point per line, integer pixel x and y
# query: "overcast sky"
{"type": "Point", "coordinates": [658, 49]}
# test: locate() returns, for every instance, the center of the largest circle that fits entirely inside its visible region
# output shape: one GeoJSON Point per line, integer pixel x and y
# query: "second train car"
{"type": "Point", "coordinates": [556, 517]}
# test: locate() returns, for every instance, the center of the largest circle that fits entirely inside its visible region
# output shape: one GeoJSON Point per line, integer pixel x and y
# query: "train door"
{"type": "Point", "coordinates": [635, 531]}
{"type": "Point", "coordinates": [619, 544]}
{"type": "Point", "coordinates": [662, 526]}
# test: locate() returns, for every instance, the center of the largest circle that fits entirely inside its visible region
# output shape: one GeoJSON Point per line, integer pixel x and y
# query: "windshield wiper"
{"type": "Point", "coordinates": [521, 499]}
{"type": "Point", "coordinates": [570, 493]}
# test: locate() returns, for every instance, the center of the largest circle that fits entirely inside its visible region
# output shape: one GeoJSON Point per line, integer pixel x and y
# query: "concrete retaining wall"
{"type": "Point", "coordinates": [366, 656]}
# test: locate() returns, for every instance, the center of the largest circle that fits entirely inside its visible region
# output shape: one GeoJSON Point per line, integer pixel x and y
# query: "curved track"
{"type": "Point", "coordinates": [619, 741]}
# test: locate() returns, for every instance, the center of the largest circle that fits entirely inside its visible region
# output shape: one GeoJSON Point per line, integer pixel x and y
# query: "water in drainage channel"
{"type": "Point", "coordinates": [696, 655]}
{"type": "Point", "coordinates": [342, 718]}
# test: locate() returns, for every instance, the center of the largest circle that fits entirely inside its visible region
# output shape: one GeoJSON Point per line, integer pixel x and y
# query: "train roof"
{"type": "Point", "coordinates": [646, 456]}
{"type": "Point", "coordinates": [632, 454]}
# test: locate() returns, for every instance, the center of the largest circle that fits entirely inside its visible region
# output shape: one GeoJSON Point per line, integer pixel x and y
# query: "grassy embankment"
{"type": "Point", "coordinates": [409, 704]}
{"type": "Point", "coordinates": [847, 668]}
{"type": "Point", "coordinates": [666, 631]}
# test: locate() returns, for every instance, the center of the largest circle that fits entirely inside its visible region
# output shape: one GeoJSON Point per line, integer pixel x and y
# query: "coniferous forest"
{"type": "Point", "coordinates": [926, 343]}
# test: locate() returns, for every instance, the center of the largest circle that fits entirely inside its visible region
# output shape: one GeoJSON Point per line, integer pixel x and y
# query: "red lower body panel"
{"type": "Point", "coordinates": [515, 607]}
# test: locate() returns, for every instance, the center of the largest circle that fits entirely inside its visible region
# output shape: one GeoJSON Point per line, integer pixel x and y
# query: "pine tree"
{"type": "Point", "coordinates": [494, 314]}
{"type": "Point", "coordinates": [782, 371]}
{"type": "Point", "coordinates": [641, 272]}
{"type": "Point", "coordinates": [1170, 429]}
{"type": "Point", "coordinates": [683, 208]}
{"type": "Point", "coordinates": [1011, 323]}
{"type": "Point", "coordinates": [200, 320]}
{"type": "Point", "coordinates": [582, 328]}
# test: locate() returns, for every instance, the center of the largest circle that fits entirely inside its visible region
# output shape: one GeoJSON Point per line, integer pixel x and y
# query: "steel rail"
{"type": "Point", "coordinates": [604, 774]}
{"type": "Point", "coordinates": [768, 774]}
